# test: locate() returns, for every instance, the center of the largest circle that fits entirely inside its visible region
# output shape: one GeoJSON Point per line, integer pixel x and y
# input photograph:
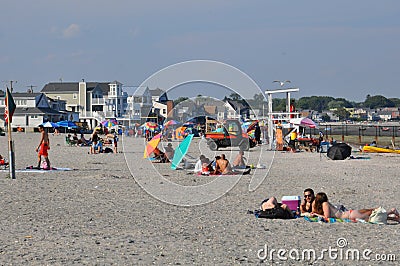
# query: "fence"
{"type": "Point", "coordinates": [359, 134]}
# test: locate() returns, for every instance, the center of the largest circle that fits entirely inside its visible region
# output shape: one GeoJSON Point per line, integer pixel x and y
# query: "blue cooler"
{"type": "Point", "coordinates": [324, 147]}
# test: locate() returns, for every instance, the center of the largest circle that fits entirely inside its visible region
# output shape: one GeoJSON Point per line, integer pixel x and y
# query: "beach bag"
{"type": "Point", "coordinates": [274, 213]}
{"type": "Point", "coordinates": [378, 216]}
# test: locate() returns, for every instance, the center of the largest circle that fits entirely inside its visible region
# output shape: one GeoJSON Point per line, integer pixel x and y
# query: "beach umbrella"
{"type": "Point", "coordinates": [110, 123]}
{"type": "Point", "coordinates": [150, 126]}
{"type": "Point", "coordinates": [49, 124]}
{"type": "Point", "coordinates": [181, 151]}
{"type": "Point", "coordinates": [171, 123]}
{"type": "Point", "coordinates": [304, 122]}
{"type": "Point", "coordinates": [66, 123]}
{"type": "Point", "coordinates": [339, 151]}
{"type": "Point", "coordinates": [151, 145]}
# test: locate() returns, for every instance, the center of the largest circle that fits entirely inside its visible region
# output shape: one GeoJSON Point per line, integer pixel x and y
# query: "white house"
{"type": "Point", "coordinates": [32, 109]}
{"type": "Point", "coordinates": [93, 101]}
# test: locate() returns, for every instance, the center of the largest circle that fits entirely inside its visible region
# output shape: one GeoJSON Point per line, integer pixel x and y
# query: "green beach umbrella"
{"type": "Point", "coordinates": [180, 151]}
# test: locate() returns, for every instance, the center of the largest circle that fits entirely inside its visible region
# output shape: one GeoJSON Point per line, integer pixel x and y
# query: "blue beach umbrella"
{"type": "Point", "coordinates": [66, 123]}
{"type": "Point", "coordinates": [180, 151]}
{"type": "Point", "coordinates": [50, 124]}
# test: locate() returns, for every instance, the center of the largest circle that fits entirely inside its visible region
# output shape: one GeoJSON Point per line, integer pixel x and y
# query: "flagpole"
{"type": "Point", "coordinates": [11, 158]}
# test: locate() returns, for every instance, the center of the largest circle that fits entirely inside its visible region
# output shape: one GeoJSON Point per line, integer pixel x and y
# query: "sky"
{"type": "Point", "coordinates": [327, 48]}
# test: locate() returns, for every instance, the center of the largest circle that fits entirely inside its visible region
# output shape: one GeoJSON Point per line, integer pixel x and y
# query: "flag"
{"type": "Point", "coordinates": [10, 107]}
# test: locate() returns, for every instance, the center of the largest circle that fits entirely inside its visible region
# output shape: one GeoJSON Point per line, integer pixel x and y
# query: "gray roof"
{"type": "Point", "coordinates": [157, 92]}
{"type": "Point", "coordinates": [74, 86]}
{"type": "Point", "coordinates": [61, 87]}
{"type": "Point", "coordinates": [33, 111]}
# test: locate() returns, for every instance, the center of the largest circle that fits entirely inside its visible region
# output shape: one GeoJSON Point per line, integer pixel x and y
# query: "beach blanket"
{"type": "Point", "coordinates": [32, 169]}
{"type": "Point", "coordinates": [332, 220]}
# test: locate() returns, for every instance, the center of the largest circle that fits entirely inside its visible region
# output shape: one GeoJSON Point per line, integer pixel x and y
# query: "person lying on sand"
{"type": "Point", "coordinates": [323, 208]}
{"type": "Point", "coordinates": [306, 204]}
{"type": "Point", "coordinates": [272, 203]}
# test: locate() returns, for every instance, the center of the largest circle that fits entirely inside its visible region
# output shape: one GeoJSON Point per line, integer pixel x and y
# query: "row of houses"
{"type": "Point", "coordinates": [93, 102]}
{"type": "Point", "coordinates": [364, 114]}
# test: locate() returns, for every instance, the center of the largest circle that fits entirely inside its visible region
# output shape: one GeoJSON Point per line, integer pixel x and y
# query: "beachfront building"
{"type": "Point", "coordinates": [140, 105]}
{"type": "Point", "coordinates": [93, 102]}
{"type": "Point", "coordinates": [33, 109]}
{"type": "Point", "coordinates": [148, 105]}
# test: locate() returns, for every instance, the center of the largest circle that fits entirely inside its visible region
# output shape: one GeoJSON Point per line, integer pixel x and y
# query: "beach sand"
{"type": "Point", "coordinates": [98, 214]}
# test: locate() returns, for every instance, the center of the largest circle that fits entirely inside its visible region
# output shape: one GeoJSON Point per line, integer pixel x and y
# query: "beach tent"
{"type": "Point", "coordinates": [181, 151]}
{"type": "Point", "coordinates": [339, 151]}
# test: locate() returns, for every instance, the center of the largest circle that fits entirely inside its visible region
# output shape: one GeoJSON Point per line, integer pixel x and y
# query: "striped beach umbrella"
{"type": "Point", "coordinates": [109, 123]}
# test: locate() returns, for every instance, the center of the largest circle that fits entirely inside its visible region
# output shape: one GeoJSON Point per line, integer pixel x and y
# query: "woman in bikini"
{"type": "Point", "coordinates": [323, 208]}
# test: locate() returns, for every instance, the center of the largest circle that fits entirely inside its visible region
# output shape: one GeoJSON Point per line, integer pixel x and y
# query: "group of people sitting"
{"type": "Point", "coordinates": [97, 143]}
{"type": "Point", "coordinates": [220, 165]}
{"type": "Point", "coordinates": [74, 140]}
{"type": "Point", "coordinates": [319, 206]}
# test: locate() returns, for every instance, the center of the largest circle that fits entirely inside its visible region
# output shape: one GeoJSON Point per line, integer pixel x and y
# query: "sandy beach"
{"type": "Point", "coordinates": [98, 214]}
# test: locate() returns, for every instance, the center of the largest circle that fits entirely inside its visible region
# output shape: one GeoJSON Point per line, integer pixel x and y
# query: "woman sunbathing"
{"type": "Point", "coordinates": [323, 208]}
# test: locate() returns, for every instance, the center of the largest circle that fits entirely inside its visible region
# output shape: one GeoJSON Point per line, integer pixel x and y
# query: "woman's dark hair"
{"type": "Point", "coordinates": [320, 198]}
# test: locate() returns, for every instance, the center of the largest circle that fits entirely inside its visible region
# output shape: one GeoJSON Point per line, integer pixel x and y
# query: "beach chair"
{"type": "Point", "coordinates": [69, 142]}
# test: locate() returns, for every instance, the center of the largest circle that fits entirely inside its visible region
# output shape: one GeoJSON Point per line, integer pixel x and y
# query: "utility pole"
{"type": "Point", "coordinates": [11, 83]}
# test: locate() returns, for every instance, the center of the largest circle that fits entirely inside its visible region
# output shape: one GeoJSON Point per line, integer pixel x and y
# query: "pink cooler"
{"type": "Point", "coordinates": [293, 202]}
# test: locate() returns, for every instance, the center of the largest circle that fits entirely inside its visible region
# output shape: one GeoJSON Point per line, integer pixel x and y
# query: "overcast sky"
{"type": "Point", "coordinates": [338, 48]}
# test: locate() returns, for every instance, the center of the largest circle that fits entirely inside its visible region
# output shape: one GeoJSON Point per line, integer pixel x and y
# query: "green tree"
{"type": "Point", "coordinates": [377, 101]}
{"type": "Point", "coordinates": [326, 118]}
{"type": "Point", "coordinates": [279, 105]}
{"type": "Point", "coordinates": [395, 101]}
{"type": "Point", "coordinates": [342, 113]}
{"type": "Point", "coordinates": [179, 100]}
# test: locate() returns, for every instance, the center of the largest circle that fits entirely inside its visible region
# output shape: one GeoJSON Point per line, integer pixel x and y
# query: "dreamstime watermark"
{"type": "Point", "coordinates": [181, 74]}
{"type": "Point", "coordinates": [341, 252]}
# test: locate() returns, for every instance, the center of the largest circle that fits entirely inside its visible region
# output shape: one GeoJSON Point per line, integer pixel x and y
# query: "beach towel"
{"type": "Point", "coordinates": [332, 220]}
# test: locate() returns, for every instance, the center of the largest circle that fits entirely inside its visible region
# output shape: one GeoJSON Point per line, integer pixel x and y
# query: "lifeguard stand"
{"type": "Point", "coordinates": [278, 116]}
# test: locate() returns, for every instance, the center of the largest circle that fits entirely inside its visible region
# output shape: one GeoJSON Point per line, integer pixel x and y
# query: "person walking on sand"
{"type": "Point", "coordinates": [43, 147]}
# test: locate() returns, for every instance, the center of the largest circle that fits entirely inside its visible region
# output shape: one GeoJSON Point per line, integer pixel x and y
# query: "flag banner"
{"type": "Point", "coordinates": [10, 107]}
